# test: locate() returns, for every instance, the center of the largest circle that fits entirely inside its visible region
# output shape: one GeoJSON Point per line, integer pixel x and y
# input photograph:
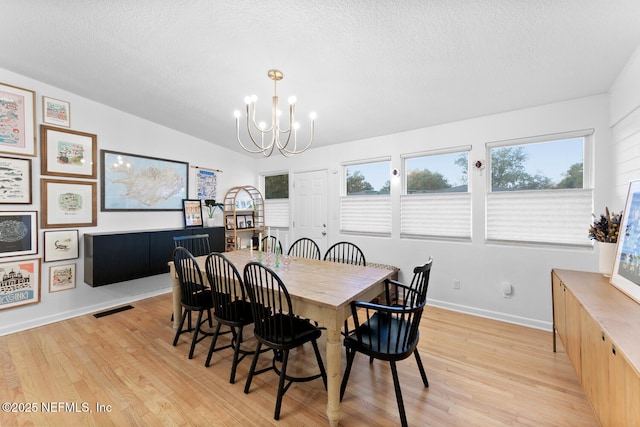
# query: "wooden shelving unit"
{"type": "Point", "coordinates": [243, 215]}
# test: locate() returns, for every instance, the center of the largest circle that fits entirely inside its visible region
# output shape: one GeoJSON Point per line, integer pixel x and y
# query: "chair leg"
{"type": "Point", "coordinates": [351, 354]}
{"type": "Point", "coordinates": [253, 368]}
{"type": "Point", "coordinates": [194, 340]}
{"type": "Point", "coordinates": [213, 344]}
{"type": "Point", "coordinates": [422, 373]}
{"type": "Point", "coordinates": [285, 359]}
{"type": "Point", "coordinates": [320, 364]}
{"type": "Point", "coordinates": [179, 331]}
{"type": "Point", "coordinates": [396, 386]}
{"type": "Point", "coordinates": [236, 353]}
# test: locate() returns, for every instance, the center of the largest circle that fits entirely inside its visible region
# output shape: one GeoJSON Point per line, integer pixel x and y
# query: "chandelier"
{"type": "Point", "coordinates": [266, 139]}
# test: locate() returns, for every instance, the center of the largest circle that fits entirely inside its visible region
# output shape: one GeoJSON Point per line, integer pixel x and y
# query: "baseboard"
{"type": "Point", "coordinates": [489, 314]}
{"type": "Point", "coordinates": [41, 321]}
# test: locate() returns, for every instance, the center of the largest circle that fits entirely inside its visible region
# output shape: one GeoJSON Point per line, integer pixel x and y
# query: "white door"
{"type": "Point", "coordinates": [310, 207]}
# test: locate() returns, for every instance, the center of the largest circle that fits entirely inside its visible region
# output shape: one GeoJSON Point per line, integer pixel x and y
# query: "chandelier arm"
{"type": "Point", "coordinates": [295, 150]}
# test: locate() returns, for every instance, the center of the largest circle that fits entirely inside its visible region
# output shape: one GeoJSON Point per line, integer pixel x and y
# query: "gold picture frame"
{"type": "Point", "coordinates": [68, 203]}
{"type": "Point", "coordinates": [18, 132]}
{"type": "Point", "coordinates": [68, 153]}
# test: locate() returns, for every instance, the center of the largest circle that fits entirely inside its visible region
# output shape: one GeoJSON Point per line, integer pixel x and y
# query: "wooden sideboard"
{"type": "Point", "coordinates": [599, 327]}
{"type": "Point", "coordinates": [127, 255]}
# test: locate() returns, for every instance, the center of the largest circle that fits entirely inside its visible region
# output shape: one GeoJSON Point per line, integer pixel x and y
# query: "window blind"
{"type": "Point", "coordinates": [551, 216]}
{"type": "Point", "coordinates": [276, 212]}
{"type": "Point", "coordinates": [436, 215]}
{"type": "Point", "coordinates": [366, 214]}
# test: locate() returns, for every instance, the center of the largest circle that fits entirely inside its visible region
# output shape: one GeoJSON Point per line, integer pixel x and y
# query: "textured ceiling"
{"type": "Point", "coordinates": [367, 67]}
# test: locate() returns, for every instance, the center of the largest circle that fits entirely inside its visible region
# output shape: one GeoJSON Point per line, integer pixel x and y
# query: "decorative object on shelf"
{"type": "Point", "coordinates": [273, 132]}
{"type": "Point", "coordinates": [131, 182]}
{"type": "Point", "coordinates": [192, 210]}
{"type": "Point", "coordinates": [20, 283]}
{"type": "Point", "coordinates": [18, 124]}
{"type": "Point", "coordinates": [68, 152]}
{"type": "Point", "coordinates": [60, 245]}
{"type": "Point", "coordinates": [18, 233]}
{"type": "Point", "coordinates": [605, 230]}
{"type": "Point", "coordinates": [15, 177]}
{"type": "Point", "coordinates": [212, 209]}
{"type": "Point", "coordinates": [56, 112]}
{"type": "Point", "coordinates": [68, 203]}
{"type": "Point", "coordinates": [626, 269]}
{"type": "Point", "coordinates": [62, 277]}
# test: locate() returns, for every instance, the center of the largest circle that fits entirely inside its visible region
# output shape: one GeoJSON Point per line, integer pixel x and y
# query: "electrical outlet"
{"type": "Point", "coordinates": [456, 284]}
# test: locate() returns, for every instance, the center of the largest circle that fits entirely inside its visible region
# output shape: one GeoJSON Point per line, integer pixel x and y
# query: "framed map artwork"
{"type": "Point", "coordinates": [20, 283]}
{"type": "Point", "coordinates": [18, 233]}
{"type": "Point", "coordinates": [138, 183]}
{"type": "Point", "coordinates": [68, 152]}
{"type": "Point", "coordinates": [68, 203]}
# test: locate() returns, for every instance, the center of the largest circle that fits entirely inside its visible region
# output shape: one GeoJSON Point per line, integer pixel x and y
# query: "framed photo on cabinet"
{"type": "Point", "coordinates": [68, 152]}
{"type": "Point", "coordinates": [626, 268]}
{"type": "Point", "coordinates": [192, 213]}
{"type": "Point", "coordinates": [19, 233]}
{"type": "Point", "coordinates": [18, 124]}
{"type": "Point", "coordinates": [25, 278]}
{"type": "Point", "coordinates": [15, 180]}
{"type": "Point", "coordinates": [62, 277]}
{"type": "Point", "coordinates": [68, 203]}
{"type": "Point", "coordinates": [61, 245]}
{"type": "Point", "coordinates": [56, 112]}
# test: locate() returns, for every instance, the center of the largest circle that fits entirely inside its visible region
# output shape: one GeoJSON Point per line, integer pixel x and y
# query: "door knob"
{"type": "Point", "coordinates": [324, 233]}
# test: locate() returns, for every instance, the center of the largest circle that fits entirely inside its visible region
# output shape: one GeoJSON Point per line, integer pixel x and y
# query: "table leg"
{"type": "Point", "coordinates": [177, 307]}
{"type": "Point", "coordinates": [334, 376]}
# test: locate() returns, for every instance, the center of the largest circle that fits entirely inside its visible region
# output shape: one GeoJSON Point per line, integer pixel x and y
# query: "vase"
{"type": "Point", "coordinates": [606, 257]}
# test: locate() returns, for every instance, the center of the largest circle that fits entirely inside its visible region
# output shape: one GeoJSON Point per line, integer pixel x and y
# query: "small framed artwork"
{"type": "Point", "coordinates": [229, 222]}
{"type": "Point", "coordinates": [24, 275]}
{"type": "Point", "coordinates": [56, 112]}
{"type": "Point", "coordinates": [130, 182]}
{"type": "Point", "coordinates": [192, 213]}
{"type": "Point", "coordinates": [68, 152]}
{"type": "Point", "coordinates": [241, 222]}
{"type": "Point", "coordinates": [60, 245]}
{"type": "Point", "coordinates": [62, 277]}
{"type": "Point", "coordinates": [248, 221]}
{"type": "Point", "coordinates": [18, 233]}
{"type": "Point", "coordinates": [626, 269]}
{"type": "Point", "coordinates": [15, 180]}
{"type": "Point", "coordinates": [17, 124]}
{"type": "Point", "coordinates": [68, 203]}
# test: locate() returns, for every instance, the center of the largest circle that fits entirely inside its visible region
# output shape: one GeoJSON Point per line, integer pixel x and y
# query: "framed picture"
{"type": "Point", "coordinates": [626, 268]}
{"type": "Point", "coordinates": [192, 213]}
{"type": "Point", "coordinates": [229, 222]}
{"type": "Point", "coordinates": [62, 277]}
{"type": "Point", "coordinates": [17, 120]}
{"type": "Point", "coordinates": [15, 180]}
{"type": "Point", "coordinates": [24, 275]}
{"type": "Point", "coordinates": [68, 203]}
{"type": "Point", "coordinates": [248, 221]}
{"type": "Point", "coordinates": [69, 153]}
{"type": "Point", "coordinates": [56, 112]}
{"type": "Point", "coordinates": [61, 245]}
{"type": "Point", "coordinates": [241, 222]}
{"type": "Point", "coordinates": [19, 233]}
{"type": "Point", "coordinates": [139, 183]}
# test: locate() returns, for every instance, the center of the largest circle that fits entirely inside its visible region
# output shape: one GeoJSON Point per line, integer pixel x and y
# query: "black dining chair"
{"type": "Point", "coordinates": [269, 244]}
{"type": "Point", "coordinates": [196, 244]}
{"type": "Point", "coordinates": [278, 328]}
{"type": "Point", "coordinates": [195, 296]}
{"type": "Point", "coordinates": [231, 307]}
{"type": "Point", "coordinates": [396, 295]}
{"type": "Point", "coordinates": [305, 248]}
{"type": "Point", "coordinates": [389, 332]}
{"type": "Point", "coordinates": [346, 253]}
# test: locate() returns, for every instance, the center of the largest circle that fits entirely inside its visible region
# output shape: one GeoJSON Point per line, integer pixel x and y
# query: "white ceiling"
{"type": "Point", "coordinates": [367, 67]}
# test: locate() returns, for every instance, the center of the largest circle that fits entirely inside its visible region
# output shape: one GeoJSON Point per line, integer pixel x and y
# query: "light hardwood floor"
{"type": "Point", "coordinates": [481, 373]}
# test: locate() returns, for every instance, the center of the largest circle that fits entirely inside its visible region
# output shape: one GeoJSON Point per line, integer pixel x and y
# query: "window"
{"type": "Point", "coordinates": [366, 208]}
{"type": "Point", "coordinates": [539, 189]}
{"type": "Point", "coordinates": [437, 202]}
{"type": "Point", "coordinates": [276, 203]}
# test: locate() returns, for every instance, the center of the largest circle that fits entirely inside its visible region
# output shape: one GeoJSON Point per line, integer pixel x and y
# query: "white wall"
{"type": "Point", "coordinates": [116, 131]}
{"type": "Point", "coordinates": [480, 267]}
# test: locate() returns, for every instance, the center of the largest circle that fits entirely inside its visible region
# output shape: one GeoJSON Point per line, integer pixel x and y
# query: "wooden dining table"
{"type": "Point", "coordinates": [319, 290]}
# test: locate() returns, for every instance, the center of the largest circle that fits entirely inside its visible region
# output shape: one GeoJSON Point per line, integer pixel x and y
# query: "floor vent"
{"type": "Point", "coordinates": [112, 311]}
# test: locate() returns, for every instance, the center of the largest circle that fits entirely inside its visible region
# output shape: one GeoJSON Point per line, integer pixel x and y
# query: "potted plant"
{"type": "Point", "coordinates": [605, 230]}
{"type": "Point", "coordinates": [211, 207]}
